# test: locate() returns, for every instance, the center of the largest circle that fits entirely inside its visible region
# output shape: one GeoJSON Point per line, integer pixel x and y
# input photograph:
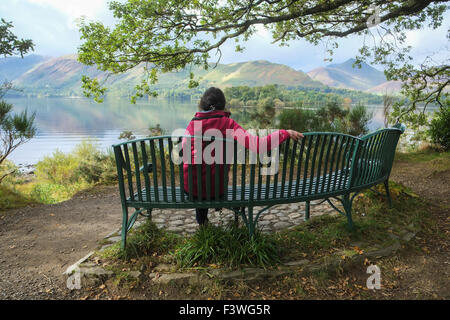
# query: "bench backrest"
{"type": "Point", "coordinates": [317, 164]}
{"type": "Point", "coordinates": [151, 169]}
{"type": "Point", "coordinates": [375, 156]}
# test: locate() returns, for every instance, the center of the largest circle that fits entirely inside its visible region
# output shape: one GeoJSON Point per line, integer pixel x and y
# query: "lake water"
{"type": "Point", "coordinates": [62, 123]}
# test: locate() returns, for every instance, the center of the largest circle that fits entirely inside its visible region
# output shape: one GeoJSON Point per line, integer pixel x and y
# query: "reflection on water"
{"type": "Point", "coordinates": [62, 123]}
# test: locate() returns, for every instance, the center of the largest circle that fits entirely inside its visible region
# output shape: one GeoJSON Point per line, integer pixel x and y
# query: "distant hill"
{"type": "Point", "coordinates": [343, 75]}
{"type": "Point", "coordinates": [13, 67]}
{"type": "Point", "coordinates": [257, 73]}
{"type": "Point", "coordinates": [389, 87]}
{"type": "Point", "coordinates": [62, 76]}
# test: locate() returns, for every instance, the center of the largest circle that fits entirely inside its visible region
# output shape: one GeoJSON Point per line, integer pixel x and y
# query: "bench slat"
{"type": "Point", "coordinates": [163, 168]}
{"type": "Point", "coordinates": [172, 169]}
{"type": "Point", "coordinates": [137, 171]}
{"type": "Point", "coordinates": [128, 169]}
{"type": "Point", "coordinates": [154, 169]}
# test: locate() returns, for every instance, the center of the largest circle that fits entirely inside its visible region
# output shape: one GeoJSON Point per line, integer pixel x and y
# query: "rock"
{"type": "Point", "coordinates": [135, 274]}
{"type": "Point", "coordinates": [281, 225]}
{"type": "Point", "coordinates": [297, 263]}
{"type": "Point", "coordinates": [174, 229]}
{"type": "Point", "coordinates": [176, 223]}
{"type": "Point", "coordinates": [113, 233]}
{"type": "Point", "coordinates": [408, 236]}
{"type": "Point", "coordinates": [75, 266]}
{"type": "Point", "coordinates": [162, 267]}
{"type": "Point", "coordinates": [114, 239]}
{"type": "Point", "coordinates": [91, 276]}
{"type": "Point", "coordinates": [384, 252]}
{"type": "Point", "coordinates": [179, 278]}
{"type": "Point", "coordinates": [232, 275]}
{"type": "Point", "coordinates": [294, 215]}
{"type": "Point", "coordinates": [106, 246]}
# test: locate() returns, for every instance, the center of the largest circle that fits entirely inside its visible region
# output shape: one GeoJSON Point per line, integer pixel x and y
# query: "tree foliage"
{"type": "Point", "coordinates": [169, 35]}
{"type": "Point", "coordinates": [329, 118]}
{"type": "Point", "coordinates": [440, 128]}
{"type": "Point", "coordinates": [10, 45]}
{"type": "Point", "coordinates": [15, 129]}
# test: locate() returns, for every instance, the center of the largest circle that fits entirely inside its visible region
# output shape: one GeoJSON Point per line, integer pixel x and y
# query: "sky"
{"type": "Point", "coordinates": [51, 24]}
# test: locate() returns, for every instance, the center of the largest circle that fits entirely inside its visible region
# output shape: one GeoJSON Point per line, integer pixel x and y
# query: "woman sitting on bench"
{"type": "Point", "coordinates": [212, 115]}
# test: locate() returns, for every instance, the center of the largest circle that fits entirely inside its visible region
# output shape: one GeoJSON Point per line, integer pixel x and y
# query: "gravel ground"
{"type": "Point", "coordinates": [38, 243]}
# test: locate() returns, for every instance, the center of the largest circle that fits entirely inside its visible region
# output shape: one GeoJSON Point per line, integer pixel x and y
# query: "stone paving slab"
{"type": "Point", "coordinates": [276, 218]}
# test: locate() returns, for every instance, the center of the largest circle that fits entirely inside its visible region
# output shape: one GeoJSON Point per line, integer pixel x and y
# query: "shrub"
{"type": "Point", "coordinates": [61, 175]}
{"type": "Point", "coordinates": [298, 119]}
{"type": "Point", "coordinates": [53, 193]}
{"type": "Point", "coordinates": [9, 172]}
{"type": "Point", "coordinates": [440, 128]}
{"type": "Point", "coordinates": [95, 166]}
{"type": "Point", "coordinates": [58, 168]}
{"type": "Point", "coordinates": [127, 135]}
{"type": "Point", "coordinates": [329, 118]}
{"type": "Point", "coordinates": [357, 120]}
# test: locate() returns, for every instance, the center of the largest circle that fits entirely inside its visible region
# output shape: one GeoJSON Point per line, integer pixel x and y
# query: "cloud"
{"type": "Point", "coordinates": [74, 9]}
{"type": "Point", "coordinates": [50, 23]}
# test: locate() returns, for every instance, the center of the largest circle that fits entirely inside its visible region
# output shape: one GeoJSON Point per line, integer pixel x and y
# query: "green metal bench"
{"type": "Point", "coordinates": [323, 166]}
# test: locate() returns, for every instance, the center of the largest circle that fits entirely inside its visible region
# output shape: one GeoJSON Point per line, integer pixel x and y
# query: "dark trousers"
{"type": "Point", "coordinates": [201, 214]}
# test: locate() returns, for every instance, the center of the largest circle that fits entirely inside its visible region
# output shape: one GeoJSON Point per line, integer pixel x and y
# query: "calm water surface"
{"type": "Point", "coordinates": [62, 123]}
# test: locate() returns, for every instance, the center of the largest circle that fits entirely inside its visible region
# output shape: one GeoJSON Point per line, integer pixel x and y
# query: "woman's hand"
{"type": "Point", "coordinates": [295, 135]}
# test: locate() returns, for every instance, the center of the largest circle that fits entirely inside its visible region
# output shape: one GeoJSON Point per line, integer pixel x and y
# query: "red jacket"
{"type": "Point", "coordinates": [220, 120]}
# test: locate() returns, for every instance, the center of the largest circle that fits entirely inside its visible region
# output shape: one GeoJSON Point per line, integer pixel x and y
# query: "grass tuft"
{"type": "Point", "coordinates": [148, 240]}
{"type": "Point", "coordinates": [228, 246]}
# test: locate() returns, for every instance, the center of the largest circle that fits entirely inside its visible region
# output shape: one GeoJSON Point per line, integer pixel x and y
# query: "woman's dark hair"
{"type": "Point", "coordinates": [212, 99]}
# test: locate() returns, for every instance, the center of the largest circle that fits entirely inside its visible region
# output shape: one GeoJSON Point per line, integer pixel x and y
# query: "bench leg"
{"type": "Point", "coordinates": [347, 203]}
{"type": "Point", "coordinates": [307, 207]}
{"type": "Point", "coordinates": [124, 226]}
{"type": "Point", "coordinates": [236, 217]}
{"type": "Point", "coordinates": [388, 194]}
{"type": "Point", "coordinates": [250, 222]}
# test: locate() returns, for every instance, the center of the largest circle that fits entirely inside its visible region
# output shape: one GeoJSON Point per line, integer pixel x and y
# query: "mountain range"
{"type": "Point", "coordinates": [38, 75]}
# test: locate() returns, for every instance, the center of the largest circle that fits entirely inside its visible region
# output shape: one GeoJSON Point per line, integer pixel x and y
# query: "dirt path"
{"type": "Point", "coordinates": [424, 179]}
{"type": "Point", "coordinates": [37, 244]}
